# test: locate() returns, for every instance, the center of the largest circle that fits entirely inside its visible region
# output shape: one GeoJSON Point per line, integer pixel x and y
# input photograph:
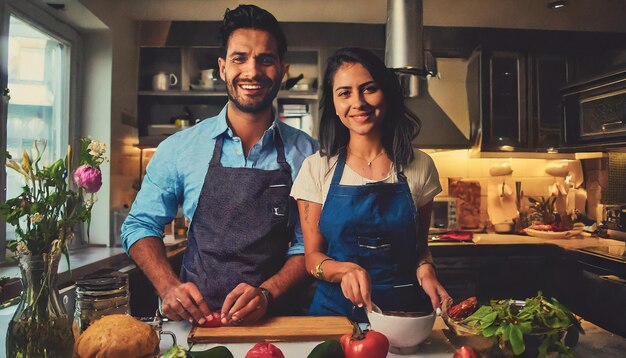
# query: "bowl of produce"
{"type": "Point", "coordinates": [453, 317]}
{"type": "Point", "coordinates": [405, 330]}
{"type": "Point", "coordinates": [530, 328]}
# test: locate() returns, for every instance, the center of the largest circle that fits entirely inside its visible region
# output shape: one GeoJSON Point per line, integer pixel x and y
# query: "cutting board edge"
{"type": "Point", "coordinates": [224, 340]}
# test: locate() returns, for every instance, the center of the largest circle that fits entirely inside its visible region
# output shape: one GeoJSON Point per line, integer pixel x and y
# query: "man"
{"type": "Point", "coordinates": [232, 174]}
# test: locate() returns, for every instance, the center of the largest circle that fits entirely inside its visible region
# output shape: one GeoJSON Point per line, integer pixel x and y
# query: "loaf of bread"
{"type": "Point", "coordinates": [116, 336]}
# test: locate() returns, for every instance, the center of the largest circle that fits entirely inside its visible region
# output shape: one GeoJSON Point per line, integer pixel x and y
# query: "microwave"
{"type": "Point", "coordinates": [595, 111]}
{"type": "Point", "coordinates": [444, 215]}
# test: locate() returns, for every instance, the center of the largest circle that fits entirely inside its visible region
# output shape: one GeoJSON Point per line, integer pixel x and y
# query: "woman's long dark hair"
{"type": "Point", "coordinates": [399, 127]}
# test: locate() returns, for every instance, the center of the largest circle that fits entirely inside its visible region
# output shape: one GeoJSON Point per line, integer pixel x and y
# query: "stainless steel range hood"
{"type": "Point", "coordinates": [404, 52]}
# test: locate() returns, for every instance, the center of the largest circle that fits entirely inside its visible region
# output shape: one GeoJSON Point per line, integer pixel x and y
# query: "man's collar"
{"type": "Point", "coordinates": [222, 124]}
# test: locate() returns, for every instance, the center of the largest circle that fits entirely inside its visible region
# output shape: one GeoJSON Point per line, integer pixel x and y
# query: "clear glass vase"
{"type": "Point", "coordinates": [40, 326]}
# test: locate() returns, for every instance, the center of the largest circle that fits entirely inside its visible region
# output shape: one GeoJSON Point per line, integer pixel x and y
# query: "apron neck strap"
{"type": "Point", "coordinates": [280, 150]}
{"type": "Point", "coordinates": [217, 151]}
{"type": "Point", "coordinates": [341, 162]}
{"type": "Point", "coordinates": [278, 143]}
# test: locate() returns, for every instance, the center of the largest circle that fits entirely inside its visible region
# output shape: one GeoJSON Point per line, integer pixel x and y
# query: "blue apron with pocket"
{"type": "Point", "coordinates": [375, 226]}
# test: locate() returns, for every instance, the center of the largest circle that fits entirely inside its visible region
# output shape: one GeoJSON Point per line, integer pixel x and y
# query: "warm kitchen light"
{"type": "Point", "coordinates": [556, 4]}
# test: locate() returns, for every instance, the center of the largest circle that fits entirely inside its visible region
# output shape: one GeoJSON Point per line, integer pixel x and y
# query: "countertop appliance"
{"type": "Point", "coordinates": [443, 217]}
{"type": "Point", "coordinates": [615, 217]}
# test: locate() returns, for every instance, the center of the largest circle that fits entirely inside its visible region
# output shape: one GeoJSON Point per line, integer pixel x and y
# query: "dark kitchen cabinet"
{"type": "Point", "coordinates": [594, 288]}
{"type": "Point", "coordinates": [548, 73]}
{"type": "Point", "coordinates": [595, 112]}
{"type": "Point", "coordinates": [514, 100]}
{"type": "Point", "coordinates": [458, 274]}
{"type": "Point", "coordinates": [496, 272]}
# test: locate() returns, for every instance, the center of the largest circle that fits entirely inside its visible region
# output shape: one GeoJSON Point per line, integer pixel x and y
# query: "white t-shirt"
{"type": "Point", "coordinates": [316, 174]}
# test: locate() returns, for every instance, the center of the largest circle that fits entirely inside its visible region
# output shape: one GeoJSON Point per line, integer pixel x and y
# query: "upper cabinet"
{"type": "Point", "coordinates": [514, 101]}
{"type": "Point", "coordinates": [595, 112]}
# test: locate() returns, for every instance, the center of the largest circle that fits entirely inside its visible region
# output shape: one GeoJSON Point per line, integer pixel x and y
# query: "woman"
{"type": "Point", "coordinates": [364, 239]}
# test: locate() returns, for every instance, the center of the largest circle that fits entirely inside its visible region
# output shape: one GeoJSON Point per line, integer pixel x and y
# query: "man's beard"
{"type": "Point", "coordinates": [253, 105]}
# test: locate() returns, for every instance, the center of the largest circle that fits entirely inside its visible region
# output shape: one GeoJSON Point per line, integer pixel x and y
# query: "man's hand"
{"type": "Point", "coordinates": [245, 303]}
{"type": "Point", "coordinates": [184, 301]}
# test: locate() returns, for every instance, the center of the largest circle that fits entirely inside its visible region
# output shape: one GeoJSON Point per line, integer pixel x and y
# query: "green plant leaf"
{"type": "Point", "coordinates": [517, 339]}
{"type": "Point", "coordinates": [489, 318]}
{"type": "Point", "coordinates": [490, 331]}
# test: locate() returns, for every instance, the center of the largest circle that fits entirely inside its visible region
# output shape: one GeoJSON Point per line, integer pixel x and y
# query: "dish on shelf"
{"type": "Point", "coordinates": [553, 234]}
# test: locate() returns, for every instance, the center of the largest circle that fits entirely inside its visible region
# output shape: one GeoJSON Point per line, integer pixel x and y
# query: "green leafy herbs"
{"type": "Point", "coordinates": [540, 317]}
{"type": "Point", "coordinates": [542, 210]}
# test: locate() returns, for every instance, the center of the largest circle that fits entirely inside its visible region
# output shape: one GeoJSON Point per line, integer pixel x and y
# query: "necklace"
{"type": "Point", "coordinates": [369, 162]}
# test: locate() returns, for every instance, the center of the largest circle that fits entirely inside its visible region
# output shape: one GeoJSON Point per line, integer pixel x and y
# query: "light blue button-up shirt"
{"type": "Point", "coordinates": [178, 168]}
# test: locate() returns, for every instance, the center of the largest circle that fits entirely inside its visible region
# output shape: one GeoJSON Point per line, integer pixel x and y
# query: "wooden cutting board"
{"type": "Point", "coordinates": [276, 329]}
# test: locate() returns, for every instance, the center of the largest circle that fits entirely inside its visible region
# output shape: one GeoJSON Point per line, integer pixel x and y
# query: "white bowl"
{"type": "Point", "coordinates": [503, 228]}
{"type": "Point", "coordinates": [404, 333]}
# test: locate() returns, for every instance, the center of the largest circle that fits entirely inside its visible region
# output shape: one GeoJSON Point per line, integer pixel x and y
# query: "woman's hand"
{"type": "Point", "coordinates": [427, 278]}
{"type": "Point", "coordinates": [356, 284]}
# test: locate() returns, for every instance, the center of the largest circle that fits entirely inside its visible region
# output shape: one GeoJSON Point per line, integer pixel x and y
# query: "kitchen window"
{"type": "Point", "coordinates": [38, 71]}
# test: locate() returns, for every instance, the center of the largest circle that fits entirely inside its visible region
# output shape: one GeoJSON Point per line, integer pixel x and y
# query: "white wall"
{"type": "Point", "coordinates": [95, 119]}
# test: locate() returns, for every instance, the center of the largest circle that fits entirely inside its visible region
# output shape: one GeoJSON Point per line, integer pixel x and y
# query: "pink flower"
{"type": "Point", "coordinates": [88, 178]}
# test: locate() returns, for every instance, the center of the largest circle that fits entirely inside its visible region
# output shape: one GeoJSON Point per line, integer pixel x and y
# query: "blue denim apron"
{"type": "Point", "coordinates": [375, 226]}
{"type": "Point", "coordinates": [240, 230]}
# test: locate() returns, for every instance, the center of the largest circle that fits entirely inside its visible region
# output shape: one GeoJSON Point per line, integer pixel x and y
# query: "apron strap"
{"type": "Point", "coordinates": [280, 151]}
{"type": "Point", "coordinates": [217, 151]}
{"type": "Point", "coordinates": [341, 162]}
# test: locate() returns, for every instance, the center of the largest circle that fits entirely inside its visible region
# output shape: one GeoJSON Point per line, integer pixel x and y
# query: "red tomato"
{"type": "Point", "coordinates": [215, 322]}
{"type": "Point", "coordinates": [264, 350]}
{"type": "Point", "coordinates": [372, 345]}
{"type": "Point", "coordinates": [465, 352]}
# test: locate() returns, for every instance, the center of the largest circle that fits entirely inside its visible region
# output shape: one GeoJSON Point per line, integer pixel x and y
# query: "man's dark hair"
{"type": "Point", "coordinates": [251, 17]}
{"type": "Point", "coordinates": [399, 127]}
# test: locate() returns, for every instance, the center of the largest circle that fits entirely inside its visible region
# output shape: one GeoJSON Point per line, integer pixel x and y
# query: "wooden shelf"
{"type": "Point", "coordinates": [298, 95]}
{"type": "Point", "coordinates": [178, 93]}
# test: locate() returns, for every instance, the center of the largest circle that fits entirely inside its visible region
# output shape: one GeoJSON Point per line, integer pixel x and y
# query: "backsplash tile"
{"type": "Point", "coordinates": [459, 164]}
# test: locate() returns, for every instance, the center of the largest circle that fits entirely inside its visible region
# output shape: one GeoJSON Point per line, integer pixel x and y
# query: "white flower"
{"type": "Point", "coordinates": [36, 217]}
{"type": "Point", "coordinates": [97, 149]}
{"type": "Point", "coordinates": [91, 200]}
{"type": "Point", "coordinates": [22, 248]}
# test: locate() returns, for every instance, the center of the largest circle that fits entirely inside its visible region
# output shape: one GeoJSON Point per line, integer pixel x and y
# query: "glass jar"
{"type": "Point", "coordinates": [100, 296]}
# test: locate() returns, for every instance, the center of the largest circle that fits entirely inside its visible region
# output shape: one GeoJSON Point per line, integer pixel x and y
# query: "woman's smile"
{"type": "Point", "coordinates": [359, 101]}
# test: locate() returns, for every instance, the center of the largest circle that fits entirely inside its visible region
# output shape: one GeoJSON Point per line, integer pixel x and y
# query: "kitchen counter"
{"type": "Point", "coordinates": [441, 344]}
{"type": "Point", "coordinates": [573, 243]}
